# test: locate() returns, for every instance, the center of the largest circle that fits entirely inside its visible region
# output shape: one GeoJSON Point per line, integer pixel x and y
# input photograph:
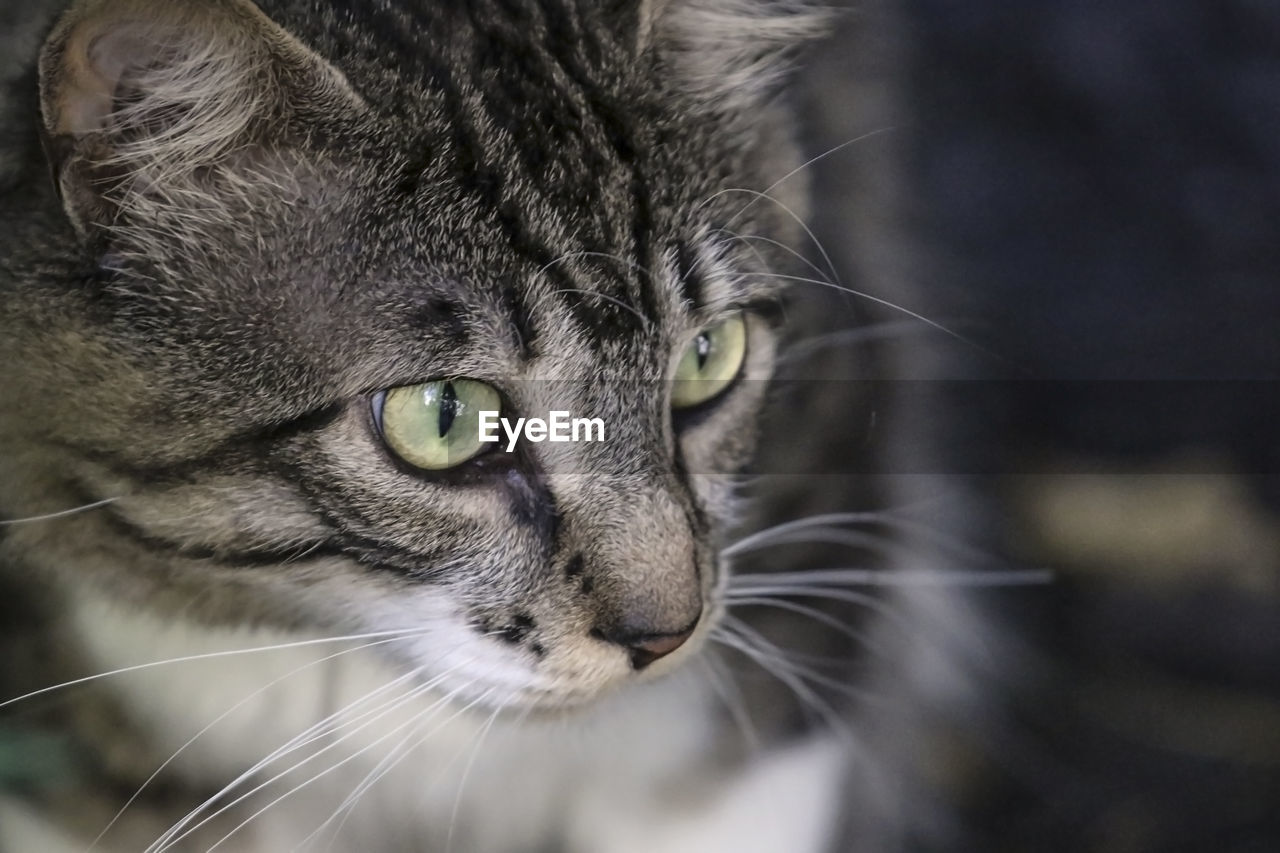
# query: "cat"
{"type": "Point", "coordinates": [267, 590]}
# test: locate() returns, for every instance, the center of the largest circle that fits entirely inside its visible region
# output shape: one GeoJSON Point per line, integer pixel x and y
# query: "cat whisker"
{"type": "Point", "coordinates": [731, 697]}
{"type": "Point", "coordinates": [347, 807]}
{"type": "Point", "coordinates": [890, 578]}
{"type": "Point", "coordinates": [790, 658]}
{"type": "Point", "coordinates": [606, 256]}
{"type": "Point", "coordinates": [748, 542]}
{"type": "Point", "coordinates": [828, 536]}
{"type": "Point", "coordinates": [399, 753]}
{"type": "Point", "coordinates": [788, 532]}
{"type": "Point", "coordinates": [863, 640]}
{"type": "Point", "coordinates": [871, 134]}
{"type": "Point", "coordinates": [184, 827]}
{"type": "Point", "coordinates": [831, 267]}
{"type": "Point", "coordinates": [295, 644]}
{"type": "Point", "coordinates": [133, 798]}
{"type": "Point", "coordinates": [393, 757]}
{"type": "Point", "coordinates": [812, 612]}
{"type": "Point", "coordinates": [310, 735]}
{"type": "Point", "coordinates": [847, 337]}
{"type": "Point", "coordinates": [871, 602]}
{"type": "Point", "coordinates": [607, 298]}
{"type": "Point", "coordinates": [442, 701]}
{"type": "Point", "coordinates": [466, 773]}
{"type": "Point", "coordinates": [776, 665]}
{"type": "Point", "coordinates": [749, 238]}
{"type": "Point", "coordinates": [567, 256]}
{"type": "Point", "coordinates": [798, 169]}
{"type": "Point", "coordinates": [892, 547]}
{"type": "Point", "coordinates": [326, 726]}
{"type": "Point", "coordinates": [303, 553]}
{"type": "Point", "coordinates": [49, 516]}
{"type": "Point", "coordinates": [969, 342]}
{"type": "Point", "coordinates": [411, 741]}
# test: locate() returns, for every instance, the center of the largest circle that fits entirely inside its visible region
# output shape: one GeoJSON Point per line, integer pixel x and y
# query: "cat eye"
{"type": "Point", "coordinates": [710, 364]}
{"type": "Point", "coordinates": [436, 425]}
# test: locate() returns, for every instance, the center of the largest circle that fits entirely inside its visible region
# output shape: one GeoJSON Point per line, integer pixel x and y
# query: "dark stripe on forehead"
{"type": "Point", "coordinates": [623, 131]}
{"type": "Point", "coordinates": [567, 155]}
{"type": "Point", "coordinates": [536, 61]}
{"type": "Point", "coordinates": [477, 174]}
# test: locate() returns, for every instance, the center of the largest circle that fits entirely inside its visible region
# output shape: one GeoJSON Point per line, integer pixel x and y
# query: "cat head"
{"type": "Point", "coordinates": [298, 247]}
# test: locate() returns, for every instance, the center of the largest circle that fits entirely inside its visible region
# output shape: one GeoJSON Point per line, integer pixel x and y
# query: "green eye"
{"type": "Point", "coordinates": [436, 425]}
{"type": "Point", "coordinates": [710, 364]}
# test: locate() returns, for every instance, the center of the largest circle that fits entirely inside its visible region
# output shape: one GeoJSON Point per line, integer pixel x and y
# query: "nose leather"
{"type": "Point", "coordinates": [647, 648]}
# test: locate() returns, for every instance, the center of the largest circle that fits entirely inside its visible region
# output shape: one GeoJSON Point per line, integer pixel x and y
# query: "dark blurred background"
{"type": "Point", "coordinates": [1088, 193]}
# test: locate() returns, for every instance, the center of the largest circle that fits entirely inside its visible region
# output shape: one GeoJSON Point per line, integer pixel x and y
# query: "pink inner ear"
{"type": "Point", "coordinates": [94, 66]}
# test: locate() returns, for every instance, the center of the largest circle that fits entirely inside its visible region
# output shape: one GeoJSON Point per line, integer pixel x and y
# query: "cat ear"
{"type": "Point", "coordinates": [138, 95]}
{"type": "Point", "coordinates": [729, 50]}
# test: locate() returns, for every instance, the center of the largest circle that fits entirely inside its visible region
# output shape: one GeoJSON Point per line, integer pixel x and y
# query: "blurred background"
{"type": "Point", "coordinates": [1087, 195]}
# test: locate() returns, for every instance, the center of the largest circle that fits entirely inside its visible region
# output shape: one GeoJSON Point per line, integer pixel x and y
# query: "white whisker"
{"type": "Point", "coordinates": [878, 542]}
{"type": "Point", "coordinates": [815, 578]}
{"type": "Point", "coordinates": [779, 669]}
{"type": "Point", "coordinates": [329, 770]}
{"type": "Point", "coordinates": [347, 807]}
{"type": "Point", "coordinates": [746, 543]}
{"type": "Point", "coordinates": [871, 602]}
{"type": "Point", "coordinates": [213, 723]}
{"type": "Point", "coordinates": [806, 164]}
{"type": "Point", "coordinates": [60, 514]}
{"type": "Point", "coordinates": [731, 696]}
{"type": "Point", "coordinates": [847, 337]}
{"type": "Point", "coordinates": [208, 656]}
{"type": "Point", "coordinates": [310, 735]}
{"type": "Point", "coordinates": [466, 773]}
{"type": "Point", "coordinates": [887, 304]}
{"type": "Point", "coordinates": [386, 764]}
{"type": "Point", "coordinates": [831, 267]}
{"type": "Point", "coordinates": [184, 828]}
{"type": "Point", "coordinates": [607, 298]}
{"type": "Point", "coordinates": [812, 612]}
{"type": "Point", "coordinates": [748, 238]}
{"type": "Point", "coordinates": [568, 256]}
{"type": "Point", "coordinates": [788, 658]}
{"type": "Point", "coordinates": [791, 532]}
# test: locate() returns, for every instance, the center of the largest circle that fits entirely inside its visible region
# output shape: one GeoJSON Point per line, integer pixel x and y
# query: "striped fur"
{"type": "Point", "coordinates": [267, 214]}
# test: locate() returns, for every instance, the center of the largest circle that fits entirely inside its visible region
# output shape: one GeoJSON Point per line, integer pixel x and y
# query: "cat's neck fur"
{"type": "Point", "coordinates": [620, 771]}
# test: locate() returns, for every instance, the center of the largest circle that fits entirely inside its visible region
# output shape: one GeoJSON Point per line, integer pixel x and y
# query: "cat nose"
{"type": "Point", "coordinates": [645, 648]}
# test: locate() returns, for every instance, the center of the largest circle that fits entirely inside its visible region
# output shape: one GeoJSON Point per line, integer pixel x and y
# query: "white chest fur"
{"type": "Point", "coordinates": [628, 775]}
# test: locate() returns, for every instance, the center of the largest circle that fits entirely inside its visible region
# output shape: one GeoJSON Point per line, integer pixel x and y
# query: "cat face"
{"type": "Point", "coordinates": [283, 240]}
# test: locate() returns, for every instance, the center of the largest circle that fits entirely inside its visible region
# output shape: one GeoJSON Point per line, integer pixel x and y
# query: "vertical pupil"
{"type": "Point", "coordinates": [448, 408]}
{"type": "Point", "coordinates": [702, 349]}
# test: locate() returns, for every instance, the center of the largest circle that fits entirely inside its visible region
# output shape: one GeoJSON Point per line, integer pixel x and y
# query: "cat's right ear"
{"type": "Point", "coordinates": [727, 51]}
{"type": "Point", "coordinates": [139, 96]}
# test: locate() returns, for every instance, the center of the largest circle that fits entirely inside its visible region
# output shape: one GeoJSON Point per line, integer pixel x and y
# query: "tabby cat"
{"type": "Point", "coordinates": [290, 250]}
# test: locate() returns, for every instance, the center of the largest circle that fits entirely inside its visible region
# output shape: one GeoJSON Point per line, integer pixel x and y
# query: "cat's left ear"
{"type": "Point", "coordinates": [728, 50]}
{"type": "Point", "coordinates": [147, 102]}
